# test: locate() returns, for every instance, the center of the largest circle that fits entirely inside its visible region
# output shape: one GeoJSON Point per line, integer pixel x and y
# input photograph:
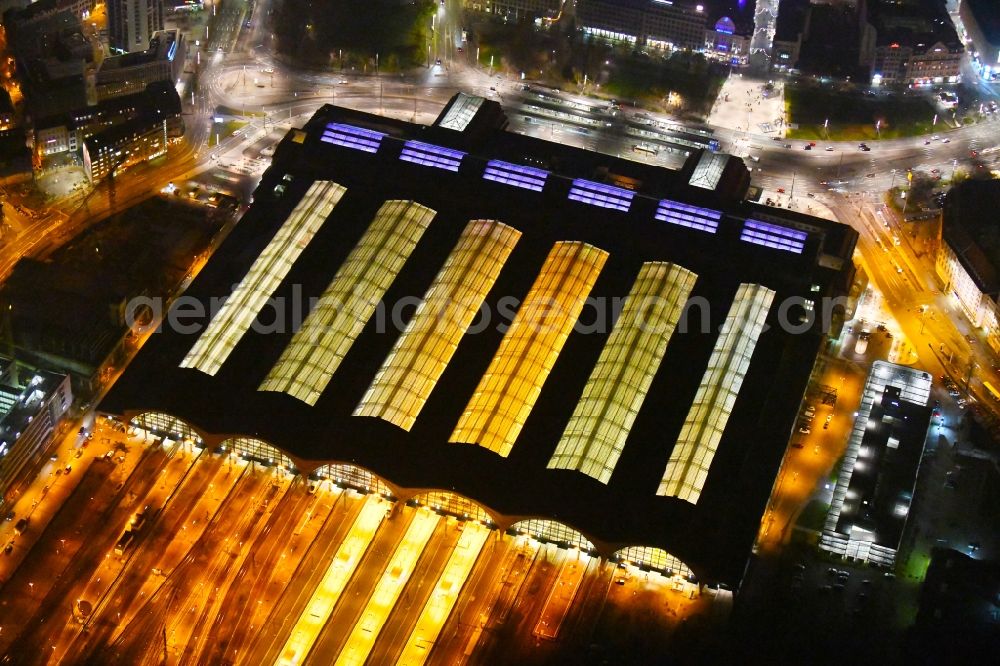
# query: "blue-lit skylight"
{"type": "Point", "coordinates": [773, 235]}
{"type": "Point", "coordinates": [693, 217]}
{"type": "Point", "coordinates": [349, 136]}
{"type": "Point", "coordinates": [428, 154]}
{"type": "Point", "coordinates": [599, 194]}
{"type": "Point", "coordinates": [517, 175]}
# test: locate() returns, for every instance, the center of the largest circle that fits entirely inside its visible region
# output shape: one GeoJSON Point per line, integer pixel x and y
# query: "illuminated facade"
{"type": "Point", "coordinates": [509, 388]}
{"type": "Point", "coordinates": [497, 325]}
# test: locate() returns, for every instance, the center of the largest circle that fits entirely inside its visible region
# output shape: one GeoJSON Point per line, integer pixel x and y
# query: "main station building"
{"type": "Point", "coordinates": [604, 353]}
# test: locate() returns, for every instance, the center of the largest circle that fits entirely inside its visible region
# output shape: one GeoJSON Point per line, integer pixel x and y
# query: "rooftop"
{"type": "Point", "coordinates": [969, 228]}
{"type": "Point", "coordinates": [919, 24]}
{"type": "Point", "coordinates": [879, 471]}
{"type": "Point", "coordinates": [630, 434]}
{"type": "Point", "coordinates": [987, 16]}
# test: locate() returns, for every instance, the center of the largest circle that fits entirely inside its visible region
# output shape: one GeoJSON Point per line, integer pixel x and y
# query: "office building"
{"type": "Point", "coordinates": [514, 10]}
{"type": "Point", "coordinates": [981, 20]}
{"type": "Point", "coordinates": [720, 29]}
{"type": "Point", "coordinates": [131, 24]}
{"type": "Point", "coordinates": [968, 257]}
{"type": "Point", "coordinates": [878, 474]}
{"type": "Point", "coordinates": [32, 403]}
{"type": "Point", "coordinates": [910, 43]}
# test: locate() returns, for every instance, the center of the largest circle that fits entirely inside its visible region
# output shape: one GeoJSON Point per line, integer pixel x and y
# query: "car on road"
{"type": "Point", "coordinates": [864, 148]}
{"type": "Point", "coordinates": [807, 147]}
{"type": "Point", "coordinates": [829, 149]}
{"type": "Point", "coordinates": [945, 140]}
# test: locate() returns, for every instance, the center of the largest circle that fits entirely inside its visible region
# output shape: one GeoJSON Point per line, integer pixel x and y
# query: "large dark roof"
{"type": "Point", "coordinates": [969, 228]}
{"type": "Point", "coordinates": [987, 15]}
{"type": "Point", "coordinates": [713, 536]}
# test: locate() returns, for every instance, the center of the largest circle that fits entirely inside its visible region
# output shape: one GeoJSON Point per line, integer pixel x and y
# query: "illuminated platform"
{"type": "Point", "coordinates": [528, 325]}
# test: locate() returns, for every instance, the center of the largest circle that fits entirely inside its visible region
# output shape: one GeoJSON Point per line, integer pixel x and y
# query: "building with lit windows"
{"type": "Point", "coordinates": [131, 23]}
{"type": "Point", "coordinates": [968, 255]}
{"type": "Point", "coordinates": [32, 403]}
{"type": "Point", "coordinates": [878, 474]}
{"type": "Point", "coordinates": [123, 146]}
{"type": "Point", "coordinates": [721, 29]}
{"type": "Point", "coordinates": [130, 73]}
{"type": "Point", "coordinates": [572, 344]}
{"type": "Point", "coordinates": [514, 10]}
{"type": "Point", "coordinates": [982, 26]}
{"type": "Point", "coordinates": [911, 43]}
{"type": "Point", "coordinates": [68, 131]}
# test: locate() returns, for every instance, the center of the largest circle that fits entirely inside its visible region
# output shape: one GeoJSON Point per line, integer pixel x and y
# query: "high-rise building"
{"type": "Point", "coordinates": [131, 23]}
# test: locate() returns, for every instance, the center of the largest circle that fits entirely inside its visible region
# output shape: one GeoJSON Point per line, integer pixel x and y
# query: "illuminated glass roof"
{"type": "Point", "coordinates": [422, 352]}
{"type": "Point", "coordinates": [525, 177]}
{"type": "Point", "coordinates": [461, 112]}
{"type": "Point", "coordinates": [596, 433]}
{"type": "Point", "coordinates": [686, 215]}
{"type": "Point", "coordinates": [773, 236]}
{"type": "Point", "coordinates": [708, 172]}
{"type": "Point", "coordinates": [349, 136]}
{"type": "Point", "coordinates": [512, 383]}
{"type": "Point", "coordinates": [316, 350]}
{"type": "Point", "coordinates": [692, 455]}
{"type": "Point", "coordinates": [599, 194]}
{"type": "Point", "coordinates": [430, 155]}
{"type": "Point", "coordinates": [242, 306]}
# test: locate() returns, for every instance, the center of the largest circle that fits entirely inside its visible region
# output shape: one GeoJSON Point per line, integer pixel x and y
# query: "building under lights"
{"type": "Point", "coordinates": [553, 340]}
{"type": "Point", "coordinates": [718, 28]}
{"type": "Point", "coordinates": [968, 256]}
{"type": "Point", "coordinates": [874, 490]}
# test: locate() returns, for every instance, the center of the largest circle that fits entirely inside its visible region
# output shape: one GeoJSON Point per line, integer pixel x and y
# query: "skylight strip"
{"type": "Point", "coordinates": [242, 306]}
{"type": "Point", "coordinates": [508, 390]}
{"type": "Point", "coordinates": [692, 454]}
{"type": "Point", "coordinates": [599, 194]}
{"type": "Point", "coordinates": [421, 354]}
{"type": "Point", "coordinates": [307, 364]}
{"type": "Point", "coordinates": [776, 230]}
{"type": "Point", "coordinates": [599, 427]}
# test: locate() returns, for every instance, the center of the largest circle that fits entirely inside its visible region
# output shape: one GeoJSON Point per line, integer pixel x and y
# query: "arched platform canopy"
{"type": "Point", "coordinates": [455, 505]}
{"type": "Point", "coordinates": [655, 559]}
{"type": "Point", "coordinates": [167, 426]}
{"type": "Point", "coordinates": [352, 476]}
{"type": "Point", "coordinates": [256, 450]}
{"type": "Point", "coordinates": [554, 532]}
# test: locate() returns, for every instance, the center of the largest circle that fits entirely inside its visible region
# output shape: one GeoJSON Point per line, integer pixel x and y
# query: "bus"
{"type": "Point", "coordinates": [993, 392]}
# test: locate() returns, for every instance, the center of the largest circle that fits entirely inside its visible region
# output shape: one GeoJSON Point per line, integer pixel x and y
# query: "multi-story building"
{"type": "Point", "coordinates": [131, 23]}
{"type": "Point", "coordinates": [32, 403]}
{"type": "Point", "coordinates": [514, 10]}
{"type": "Point", "coordinates": [721, 29]}
{"type": "Point", "coordinates": [967, 257]}
{"type": "Point", "coordinates": [123, 146]}
{"type": "Point", "coordinates": [791, 28]}
{"type": "Point", "coordinates": [67, 132]}
{"type": "Point", "coordinates": [878, 473]}
{"type": "Point", "coordinates": [909, 42]}
{"type": "Point", "coordinates": [981, 20]}
{"type": "Point", "coordinates": [130, 73]}
{"type": "Point", "coordinates": [44, 9]}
